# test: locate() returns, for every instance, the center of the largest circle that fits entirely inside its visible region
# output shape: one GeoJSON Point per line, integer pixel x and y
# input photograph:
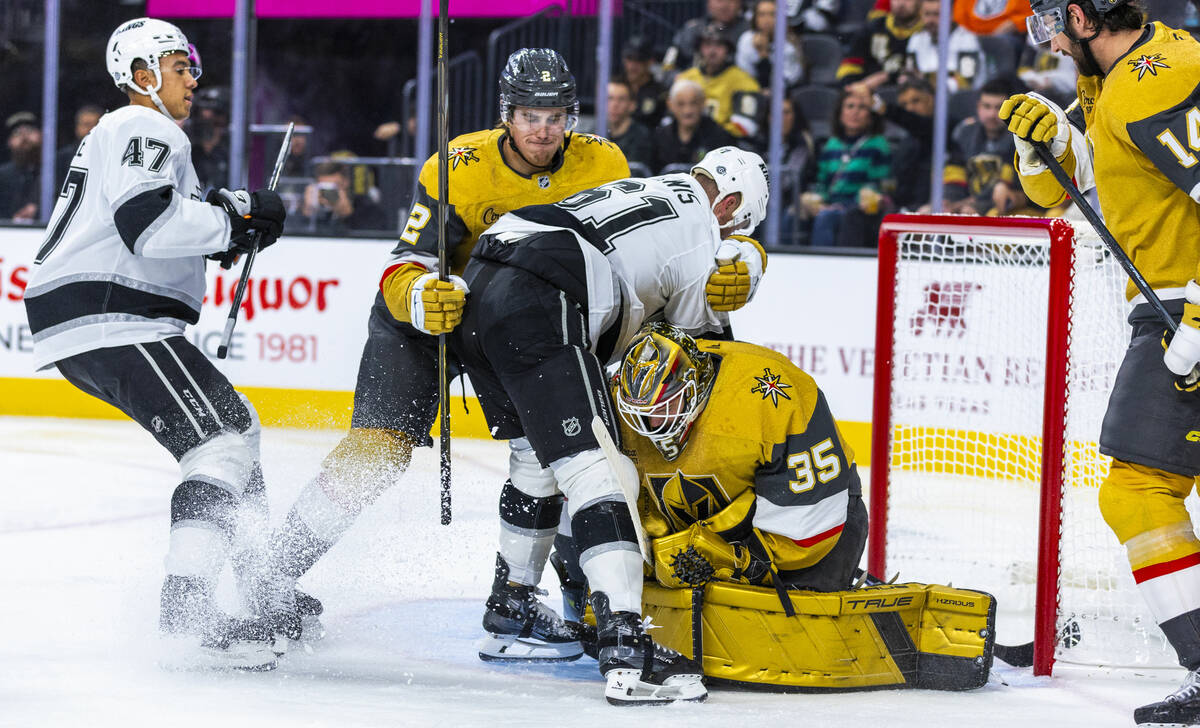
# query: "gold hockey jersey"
{"type": "Point", "coordinates": [1143, 124]}
{"type": "Point", "coordinates": [483, 187]}
{"type": "Point", "coordinates": [765, 453]}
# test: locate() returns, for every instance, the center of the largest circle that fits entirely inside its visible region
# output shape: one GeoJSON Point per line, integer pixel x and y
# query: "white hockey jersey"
{"type": "Point", "coordinates": [123, 261]}
{"type": "Point", "coordinates": [643, 250]}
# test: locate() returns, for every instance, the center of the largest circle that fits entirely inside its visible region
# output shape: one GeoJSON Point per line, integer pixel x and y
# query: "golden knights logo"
{"type": "Point", "coordinates": [770, 386]}
{"type": "Point", "coordinates": [686, 499]}
{"type": "Point", "coordinates": [1147, 64]}
{"type": "Point", "coordinates": [463, 155]}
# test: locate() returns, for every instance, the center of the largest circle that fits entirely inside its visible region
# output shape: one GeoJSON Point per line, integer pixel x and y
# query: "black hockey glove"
{"type": "Point", "coordinates": [260, 211]}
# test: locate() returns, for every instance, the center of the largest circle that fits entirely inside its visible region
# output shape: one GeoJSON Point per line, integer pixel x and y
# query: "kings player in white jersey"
{"type": "Point", "coordinates": [119, 276]}
{"type": "Point", "coordinates": [556, 293]}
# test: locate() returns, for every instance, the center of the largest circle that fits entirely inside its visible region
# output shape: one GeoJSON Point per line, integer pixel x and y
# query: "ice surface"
{"type": "Point", "coordinates": [83, 530]}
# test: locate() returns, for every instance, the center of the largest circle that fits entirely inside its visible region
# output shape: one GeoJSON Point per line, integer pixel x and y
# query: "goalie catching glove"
{"type": "Point", "coordinates": [1033, 118]}
{"type": "Point", "coordinates": [741, 261]}
{"type": "Point", "coordinates": [1182, 353]}
{"type": "Point", "coordinates": [420, 298]}
{"type": "Point", "coordinates": [697, 555]}
{"type": "Point", "coordinates": [261, 212]}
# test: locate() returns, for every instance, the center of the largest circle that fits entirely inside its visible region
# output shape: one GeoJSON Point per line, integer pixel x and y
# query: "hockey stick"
{"type": "Point", "coordinates": [227, 334]}
{"type": "Point", "coordinates": [443, 272]}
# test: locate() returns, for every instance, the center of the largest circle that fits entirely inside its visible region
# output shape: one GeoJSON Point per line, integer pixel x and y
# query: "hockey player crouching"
{"type": "Point", "coordinates": [748, 487]}
{"type": "Point", "coordinates": [120, 274]}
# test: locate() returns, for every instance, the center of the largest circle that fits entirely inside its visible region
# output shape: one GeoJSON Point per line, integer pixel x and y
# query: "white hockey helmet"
{"type": "Point", "coordinates": [736, 170]}
{"type": "Point", "coordinates": [144, 39]}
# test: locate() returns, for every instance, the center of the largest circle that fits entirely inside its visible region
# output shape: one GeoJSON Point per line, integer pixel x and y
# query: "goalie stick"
{"type": "Point", "coordinates": [244, 278]}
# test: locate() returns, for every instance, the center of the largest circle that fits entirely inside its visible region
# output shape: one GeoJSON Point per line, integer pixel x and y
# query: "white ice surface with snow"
{"type": "Point", "coordinates": [83, 530]}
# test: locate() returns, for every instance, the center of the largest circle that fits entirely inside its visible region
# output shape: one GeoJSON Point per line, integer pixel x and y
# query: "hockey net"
{"type": "Point", "coordinates": [997, 343]}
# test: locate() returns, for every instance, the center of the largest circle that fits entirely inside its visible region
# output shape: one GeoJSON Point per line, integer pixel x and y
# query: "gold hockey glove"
{"type": "Point", "coordinates": [741, 261]}
{"type": "Point", "coordinates": [697, 555]}
{"type": "Point", "coordinates": [418, 297]}
{"type": "Point", "coordinates": [1033, 118]}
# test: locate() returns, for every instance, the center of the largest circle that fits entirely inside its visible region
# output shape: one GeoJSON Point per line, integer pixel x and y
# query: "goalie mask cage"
{"type": "Point", "coordinates": [997, 342]}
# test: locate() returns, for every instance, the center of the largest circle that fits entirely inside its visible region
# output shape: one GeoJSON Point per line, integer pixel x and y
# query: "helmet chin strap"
{"type": "Point", "coordinates": [1089, 67]}
{"type": "Point", "coordinates": [153, 94]}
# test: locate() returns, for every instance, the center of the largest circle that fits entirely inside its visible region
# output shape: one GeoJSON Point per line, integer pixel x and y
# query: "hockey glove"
{"type": "Point", "coordinates": [741, 261]}
{"type": "Point", "coordinates": [420, 298]}
{"type": "Point", "coordinates": [260, 211]}
{"type": "Point", "coordinates": [696, 555]}
{"type": "Point", "coordinates": [1034, 118]}
{"type": "Point", "coordinates": [1183, 349]}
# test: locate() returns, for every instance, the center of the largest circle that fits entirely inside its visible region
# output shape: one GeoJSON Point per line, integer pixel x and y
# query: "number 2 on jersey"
{"type": "Point", "coordinates": [72, 192]}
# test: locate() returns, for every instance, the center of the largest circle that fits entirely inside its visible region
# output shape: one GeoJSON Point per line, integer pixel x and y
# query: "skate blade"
{"type": "Point", "coordinates": [510, 648]}
{"type": "Point", "coordinates": [626, 688]}
{"type": "Point", "coordinates": [186, 654]}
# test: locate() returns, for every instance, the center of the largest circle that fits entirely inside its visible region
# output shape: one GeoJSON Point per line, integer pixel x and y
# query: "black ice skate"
{"type": "Point", "coordinates": [639, 671]}
{"type": "Point", "coordinates": [522, 629]}
{"type": "Point", "coordinates": [1180, 708]}
{"type": "Point", "coordinates": [198, 636]}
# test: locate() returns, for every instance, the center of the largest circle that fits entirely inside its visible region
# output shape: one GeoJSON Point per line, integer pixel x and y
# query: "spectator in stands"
{"type": "Point", "coordinates": [812, 16]}
{"type": "Point", "coordinates": [19, 177]}
{"type": "Point", "coordinates": [882, 46]}
{"type": "Point", "coordinates": [911, 156]}
{"type": "Point", "coordinates": [966, 57]}
{"type": "Point", "coordinates": [725, 14]}
{"type": "Point", "coordinates": [1049, 73]}
{"type": "Point", "coordinates": [687, 134]}
{"type": "Point", "coordinates": [731, 95]}
{"type": "Point", "coordinates": [650, 96]}
{"type": "Point", "coordinates": [754, 49]}
{"type": "Point", "coordinates": [798, 147]}
{"type": "Point", "coordinates": [208, 129]}
{"type": "Point", "coordinates": [1004, 19]}
{"type": "Point", "coordinates": [854, 170]}
{"type": "Point", "coordinates": [86, 118]}
{"type": "Point", "coordinates": [980, 178]}
{"type": "Point", "coordinates": [632, 138]}
{"type": "Point", "coordinates": [331, 205]}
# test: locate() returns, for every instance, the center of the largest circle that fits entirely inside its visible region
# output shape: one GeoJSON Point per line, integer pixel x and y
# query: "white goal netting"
{"type": "Point", "coordinates": [968, 392]}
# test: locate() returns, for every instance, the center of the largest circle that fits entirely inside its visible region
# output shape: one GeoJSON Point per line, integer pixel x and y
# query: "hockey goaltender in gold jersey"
{"type": "Point", "coordinates": [753, 506]}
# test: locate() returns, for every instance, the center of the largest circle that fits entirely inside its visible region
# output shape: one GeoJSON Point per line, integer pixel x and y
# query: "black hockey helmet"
{"type": "Point", "coordinates": [1050, 16]}
{"type": "Point", "coordinates": [537, 77]}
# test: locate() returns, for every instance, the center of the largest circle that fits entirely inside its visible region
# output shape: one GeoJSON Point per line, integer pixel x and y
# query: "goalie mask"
{"type": "Point", "coordinates": [663, 386]}
{"type": "Point", "coordinates": [146, 40]}
{"type": "Point", "coordinates": [736, 171]}
{"type": "Point", "coordinates": [538, 78]}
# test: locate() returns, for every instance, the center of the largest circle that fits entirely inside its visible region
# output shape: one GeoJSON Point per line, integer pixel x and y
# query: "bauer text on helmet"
{"type": "Point", "coordinates": [737, 171]}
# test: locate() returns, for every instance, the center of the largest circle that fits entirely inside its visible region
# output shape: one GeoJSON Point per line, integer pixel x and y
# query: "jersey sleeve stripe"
{"type": "Point", "coordinates": [802, 522]}
{"type": "Point", "coordinates": [142, 215]}
{"type": "Point", "coordinates": [814, 540]}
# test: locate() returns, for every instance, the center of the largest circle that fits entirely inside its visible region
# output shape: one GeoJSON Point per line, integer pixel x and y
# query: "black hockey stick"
{"type": "Point", "coordinates": [227, 334]}
{"type": "Point", "coordinates": [1110, 242]}
{"type": "Point", "coordinates": [443, 272]}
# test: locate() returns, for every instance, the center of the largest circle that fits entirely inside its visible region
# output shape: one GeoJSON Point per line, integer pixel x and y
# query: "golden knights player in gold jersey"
{"type": "Point", "coordinates": [748, 486]}
{"type": "Point", "coordinates": [532, 158]}
{"type": "Point", "coordinates": [1135, 134]}
{"type": "Point", "coordinates": [740, 457]}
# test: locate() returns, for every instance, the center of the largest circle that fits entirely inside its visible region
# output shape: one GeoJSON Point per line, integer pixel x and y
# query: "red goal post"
{"type": "Point", "coordinates": [996, 343]}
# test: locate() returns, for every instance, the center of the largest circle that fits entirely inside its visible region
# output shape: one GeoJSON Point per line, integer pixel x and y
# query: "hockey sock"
{"type": "Point", "coordinates": [313, 526]}
{"type": "Point", "coordinates": [527, 528]}
{"type": "Point", "coordinates": [203, 519]}
{"type": "Point", "coordinates": [609, 554]}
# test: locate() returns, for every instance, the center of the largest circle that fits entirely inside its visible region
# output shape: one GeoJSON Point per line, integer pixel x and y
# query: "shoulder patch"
{"type": "Point", "coordinates": [593, 139]}
{"type": "Point", "coordinates": [770, 385]}
{"type": "Point", "coordinates": [1146, 64]}
{"type": "Point", "coordinates": [463, 156]}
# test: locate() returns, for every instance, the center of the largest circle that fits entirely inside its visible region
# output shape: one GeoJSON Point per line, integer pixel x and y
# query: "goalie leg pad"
{"type": "Point", "coordinates": [901, 635]}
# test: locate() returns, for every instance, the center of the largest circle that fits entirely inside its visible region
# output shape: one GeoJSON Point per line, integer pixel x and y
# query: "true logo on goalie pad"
{"type": "Point", "coordinates": [571, 426]}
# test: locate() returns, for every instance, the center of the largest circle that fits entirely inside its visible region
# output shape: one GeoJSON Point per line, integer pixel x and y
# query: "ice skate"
{"type": "Point", "coordinates": [522, 629]}
{"type": "Point", "coordinates": [1180, 708]}
{"type": "Point", "coordinates": [198, 636]}
{"type": "Point", "coordinates": [639, 671]}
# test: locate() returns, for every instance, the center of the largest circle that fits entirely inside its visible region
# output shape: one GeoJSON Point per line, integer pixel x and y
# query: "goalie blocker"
{"type": "Point", "coordinates": [877, 637]}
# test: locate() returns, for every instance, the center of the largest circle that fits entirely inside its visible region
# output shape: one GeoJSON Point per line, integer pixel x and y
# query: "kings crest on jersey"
{"type": "Point", "coordinates": [764, 453]}
{"type": "Point", "coordinates": [123, 261]}
{"type": "Point", "coordinates": [483, 187]}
